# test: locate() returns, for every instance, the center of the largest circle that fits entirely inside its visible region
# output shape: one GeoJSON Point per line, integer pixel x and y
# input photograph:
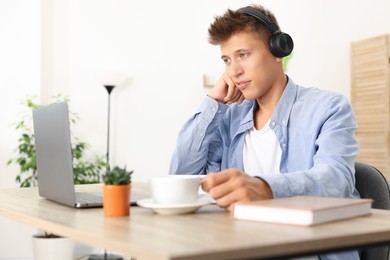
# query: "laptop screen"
{"type": "Point", "coordinates": [54, 153]}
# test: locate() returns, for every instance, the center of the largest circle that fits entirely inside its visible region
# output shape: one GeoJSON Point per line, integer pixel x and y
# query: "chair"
{"type": "Point", "coordinates": [372, 184]}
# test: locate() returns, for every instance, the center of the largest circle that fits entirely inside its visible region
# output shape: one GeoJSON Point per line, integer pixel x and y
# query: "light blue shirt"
{"type": "Point", "coordinates": [315, 130]}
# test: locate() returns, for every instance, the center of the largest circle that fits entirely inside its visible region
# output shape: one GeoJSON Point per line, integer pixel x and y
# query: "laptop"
{"type": "Point", "coordinates": [54, 159]}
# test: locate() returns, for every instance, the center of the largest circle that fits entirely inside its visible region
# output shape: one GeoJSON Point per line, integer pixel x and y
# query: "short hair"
{"type": "Point", "coordinates": [233, 22]}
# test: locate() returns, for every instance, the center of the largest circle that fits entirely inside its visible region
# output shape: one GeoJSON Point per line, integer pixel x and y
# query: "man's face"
{"type": "Point", "coordinates": [250, 64]}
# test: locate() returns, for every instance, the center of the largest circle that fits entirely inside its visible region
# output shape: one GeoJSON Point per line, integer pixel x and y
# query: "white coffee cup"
{"type": "Point", "coordinates": [174, 189]}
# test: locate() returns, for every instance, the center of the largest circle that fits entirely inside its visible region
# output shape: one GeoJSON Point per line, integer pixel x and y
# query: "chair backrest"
{"type": "Point", "coordinates": [371, 183]}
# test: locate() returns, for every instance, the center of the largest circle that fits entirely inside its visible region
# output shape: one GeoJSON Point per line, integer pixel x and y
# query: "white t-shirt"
{"type": "Point", "coordinates": [262, 152]}
{"type": "Point", "coordinates": [262, 155]}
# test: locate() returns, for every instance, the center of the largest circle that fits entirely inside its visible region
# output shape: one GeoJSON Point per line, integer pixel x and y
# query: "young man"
{"type": "Point", "coordinates": [258, 135]}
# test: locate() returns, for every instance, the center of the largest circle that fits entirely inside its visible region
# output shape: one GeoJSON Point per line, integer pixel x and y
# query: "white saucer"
{"type": "Point", "coordinates": [173, 209]}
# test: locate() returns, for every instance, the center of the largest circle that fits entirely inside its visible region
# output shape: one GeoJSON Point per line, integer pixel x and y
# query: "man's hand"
{"type": "Point", "coordinates": [225, 91]}
{"type": "Point", "coordinates": [230, 186]}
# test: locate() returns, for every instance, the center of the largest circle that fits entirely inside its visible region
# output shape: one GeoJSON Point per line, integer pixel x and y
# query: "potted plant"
{"type": "Point", "coordinates": [49, 247]}
{"type": "Point", "coordinates": [85, 172]}
{"type": "Point", "coordinates": [116, 192]}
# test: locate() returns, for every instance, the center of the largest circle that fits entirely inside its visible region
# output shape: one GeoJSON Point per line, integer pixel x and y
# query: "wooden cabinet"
{"type": "Point", "coordinates": [370, 96]}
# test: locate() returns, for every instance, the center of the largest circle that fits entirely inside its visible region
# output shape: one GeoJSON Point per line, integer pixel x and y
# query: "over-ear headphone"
{"type": "Point", "coordinates": [280, 44]}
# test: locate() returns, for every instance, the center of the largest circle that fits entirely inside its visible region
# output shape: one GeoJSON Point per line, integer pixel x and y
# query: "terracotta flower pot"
{"type": "Point", "coordinates": [116, 201]}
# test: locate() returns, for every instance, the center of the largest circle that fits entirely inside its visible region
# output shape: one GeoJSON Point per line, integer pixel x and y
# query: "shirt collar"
{"type": "Point", "coordinates": [282, 112]}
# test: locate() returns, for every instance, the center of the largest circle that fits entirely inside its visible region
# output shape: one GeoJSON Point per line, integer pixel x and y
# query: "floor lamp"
{"type": "Point", "coordinates": [109, 89]}
{"type": "Point", "coordinates": [106, 256]}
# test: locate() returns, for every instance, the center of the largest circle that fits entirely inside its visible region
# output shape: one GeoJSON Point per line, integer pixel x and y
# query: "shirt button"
{"type": "Point", "coordinates": [284, 144]}
{"type": "Point", "coordinates": [273, 123]}
{"type": "Point", "coordinates": [219, 111]}
{"type": "Point", "coordinates": [284, 122]}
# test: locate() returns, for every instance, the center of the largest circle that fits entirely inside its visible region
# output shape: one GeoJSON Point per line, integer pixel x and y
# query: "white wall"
{"type": "Point", "coordinates": [20, 66]}
{"type": "Point", "coordinates": [161, 48]}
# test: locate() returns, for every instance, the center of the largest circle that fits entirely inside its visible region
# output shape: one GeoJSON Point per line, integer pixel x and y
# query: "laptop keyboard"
{"type": "Point", "coordinates": [89, 197]}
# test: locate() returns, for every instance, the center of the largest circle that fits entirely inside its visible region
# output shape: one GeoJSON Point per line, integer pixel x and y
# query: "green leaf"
{"type": "Point", "coordinates": [117, 176]}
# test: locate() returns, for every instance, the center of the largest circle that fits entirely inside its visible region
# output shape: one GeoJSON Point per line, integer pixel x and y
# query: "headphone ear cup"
{"type": "Point", "coordinates": [281, 45]}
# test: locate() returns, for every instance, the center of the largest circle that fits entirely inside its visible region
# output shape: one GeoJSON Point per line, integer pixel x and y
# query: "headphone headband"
{"type": "Point", "coordinates": [272, 27]}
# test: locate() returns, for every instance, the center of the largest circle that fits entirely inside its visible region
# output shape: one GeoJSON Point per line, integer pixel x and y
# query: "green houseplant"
{"type": "Point", "coordinates": [116, 192]}
{"type": "Point", "coordinates": [84, 171]}
{"type": "Point", "coordinates": [117, 176]}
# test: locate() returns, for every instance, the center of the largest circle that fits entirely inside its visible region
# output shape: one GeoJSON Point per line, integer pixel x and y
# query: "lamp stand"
{"type": "Point", "coordinates": [106, 256]}
{"type": "Point", "coordinates": [109, 89]}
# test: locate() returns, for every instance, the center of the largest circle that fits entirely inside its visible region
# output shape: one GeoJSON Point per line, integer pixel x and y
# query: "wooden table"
{"type": "Point", "coordinates": [210, 233]}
